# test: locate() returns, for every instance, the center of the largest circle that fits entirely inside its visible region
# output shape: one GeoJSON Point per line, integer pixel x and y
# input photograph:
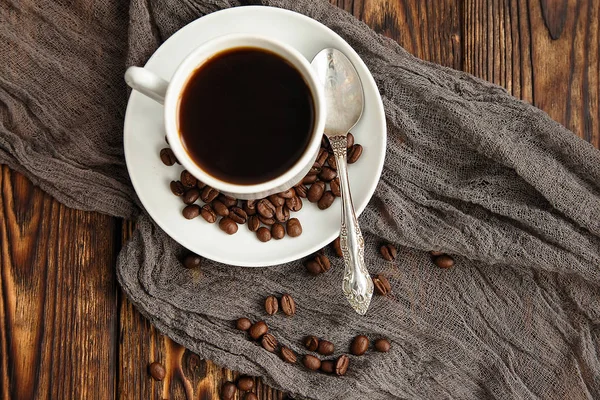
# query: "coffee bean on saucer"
{"type": "Point", "coordinates": [294, 229]}
{"type": "Point", "coordinates": [324, 142]}
{"type": "Point", "coordinates": [243, 324]}
{"type": "Point", "coordinates": [238, 215]}
{"type": "Point", "coordinates": [249, 206]}
{"type": "Point", "coordinates": [228, 391]}
{"type": "Point", "coordinates": [335, 187]}
{"type": "Point", "coordinates": [325, 347]}
{"type": "Point", "coordinates": [277, 231]}
{"type": "Point", "coordinates": [332, 162]}
{"type": "Point", "coordinates": [322, 156]}
{"type": "Point", "coordinates": [200, 185]}
{"type": "Point", "coordinates": [311, 362]}
{"type": "Point", "coordinates": [354, 153]}
{"type": "Point", "coordinates": [301, 190]}
{"type": "Point", "coordinates": [157, 371]}
{"type": "Point", "coordinates": [265, 208]}
{"type": "Point", "coordinates": [276, 200]}
{"type": "Point", "coordinates": [191, 211]}
{"type": "Point", "coordinates": [209, 194]}
{"type": "Point", "coordinates": [359, 345]}
{"type": "Point", "coordinates": [311, 343]}
{"type": "Point", "coordinates": [326, 200]}
{"type": "Point", "coordinates": [318, 264]}
{"type": "Point", "coordinates": [282, 214]}
{"type": "Point", "coordinates": [263, 234]}
{"type": "Point", "coordinates": [328, 367]}
{"type": "Point", "coordinates": [315, 192]}
{"type": "Point", "coordinates": [315, 169]}
{"type": "Point", "coordinates": [167, 157]}
{"type": "Point", "coordinates": [271, 305]}
{"type": "Point", "coordinates": [288, 305]}
{"type": "Point", "coordinates": [192, 261]}
{"type": "Point", "coordinates": [341, 365]}
{"type": "Point", "coordinates": [253, 223]}
{"type": "Point", "coordinates": [327, 174]}
{"type": "Point", "coordinates": [188, 180]}
{"type": "Point", "coordinates": [245, 383]}
{"type": "Point", "coordinates": [287, 194]}
{"type": "Point", "coordinates": [227, 200]}
{"type": "Point", "coordinates": [288, 355]}
{"type": "Point", "coordinates": [228, 225]}
{"type": "Point", "coordinates": [269, 342]}
{"type": "Point", "coordinates": [436, 253]}
{"type": "Point", "coordinates": [382, 285]}
{"type": "Point", "coordinates": [308, 179]}
{"type": "Point", "coordinates": [388, 252]}
{"type": "Point", "coordinates": [258, 329]}
{"type": "Point", "coordinates": [382, 345]}
{"type": "Point", "coordinates": [177, 188]}
{"type": "Point", "coordinates": [349, 140]}
{"type": "Point", "coordinates": [220, 209]}
{"type": "Point", "coordinates": [190, 196]}
{"type": "Point", "coordinates": [250, 396]}
{"type": "Point", "coordinates": [444, 261]}
{"type": "Point", "coordinates": [266, 221]}
{"type": "Point", "coordinates": [294, 203]}
{"type": "Point", "coordinates": [208, 214]}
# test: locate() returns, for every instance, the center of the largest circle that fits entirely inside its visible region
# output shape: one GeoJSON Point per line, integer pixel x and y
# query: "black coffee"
{"type": "Point", "coordinates": [246, 116]}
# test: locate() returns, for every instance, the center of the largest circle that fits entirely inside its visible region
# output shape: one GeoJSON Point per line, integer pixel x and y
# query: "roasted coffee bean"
{"type": "Point", "coordinates": [287, 194]}
{"type": "Point", "coordinates": [382, 345]}
{"type": "Point", "coordinates": [444, 261]}
{"type": "Point", "coordinates": [382, 285]}
{"type": "Point", "coordinates": [311, 362]}
{"type": "Point", "coordinates": [326, 200]}
{"type": "Point", "coordinates": [354, 153]}
{"type": "Point", "coordinates": [228, 391]}
{"type": "Point", "coordinates": [332, 162]}
{"type": "Point", "coordinates": [167, 157]}
{"type": "Point", "coordinates": [288, 305]}
{"type": "Point", "coordinates": [327, 174]}
{"type": "Point", "coordinates": [228, 225]}
{"type": "Point", "coordinates": [263, 234]}
{"type": "Point", "coordinates": [288, 355]}
{"type": "Point", "coordinates": [209, 194]}
{"type": "Point", "coordinates": [294, 229]}
{"type": "Point", "coordinates": [359, 345]}
{"type": "Point", "coordinates": [227, 200]}
{"type": "Point", "coordinates": [265, 208]}
{"type": "Point", "coordinates": [266, 221]}
{"type": "Point", "coordinates": [322, 156]}
{"type": "Point", "coordinates": [269, 342]}
{"type": "Point", "coordinates": [238, 215]}
{"type": "Point", "coordinates": [200, 185]}
{"type": "Point", "coordinates": [282, 214]}
{"type": "Point", "coordinates": [324, 142]}
{"type": "Point", "coordinates": [253, 223]}
{"type": "Point", "coordinates": [341, 365]}
{"type": "Point", "coordinates": [337, 247]}
{"type": "Point", "coordinates": [335, 187]}
{"type": "Point", "coordinates": [250, 396]}
{"type": "Point", "coordinates": [220, 208]}
{"type": "Point", "coordinates": [191, 196]}
{"type": "Point", "coordinates": [258, 329]}
{"type": "Point", "coordinates": [177, 188]}
{"type": "Point", "coordinates": [325, 347]}
{"type": "Point", "coordinates": [249, 206]}
{"type": "Point", "coordinates": [276, 200]}
{"type": "Point", "coordinates": [436, 253]}
{"type": "Point", "coordinates": [328, 367]}
{"type": "Point", "coordinates": [208, 214]}
{"type": "Point", "coordinates": [157, 371]}
{"type": "Point", "coordinates": [318, 264]}
{"type": "Point", "coordinates": [191, 211]}
{"type": "Point", "coordinates": [294, 204]}
{"type": "Point", "coordinates": [245, 383]}
{"type": "Point", "coordinates": [188, 180]}
{"type": "Point", "coordinates": [243, 324]}
{"type": "Point", "coordinates": [277, 231]}
{"type": "Point", "coordinates": [311, 343]}
{"type": "Point", "coordinates": [388, 252]}
{"type": "Point", "coordinates": [349, 140]}
{"type": "Point", "coordinates": [308, 179]}
{"type": "Point", "coordinates": [301, 190]}
{"type": "Point", "coordinates": [315, 169]}
{"type": "Point", "coordinates": [315, 192]}
{"type": "Point", "coordinates": [192, 261]}
{"type": "Point", "coordinates": [271, 305]}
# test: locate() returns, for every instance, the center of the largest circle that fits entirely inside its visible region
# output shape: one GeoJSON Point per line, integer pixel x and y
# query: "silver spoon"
{"type": "Point", "coordinates": [344, 104]}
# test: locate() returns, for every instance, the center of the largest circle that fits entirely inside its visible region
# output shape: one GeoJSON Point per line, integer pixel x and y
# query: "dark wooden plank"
{"type": "Point", "coordinates": [58, 307]}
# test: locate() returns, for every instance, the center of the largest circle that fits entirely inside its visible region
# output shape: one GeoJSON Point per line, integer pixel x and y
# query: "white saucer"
{"type": "Point", "coordinates": [144, 137]}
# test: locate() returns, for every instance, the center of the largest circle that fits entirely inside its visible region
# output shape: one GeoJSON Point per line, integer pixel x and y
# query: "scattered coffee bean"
{"type": "Point", "coordinates": [191, 196]}
{"type": "Point", "coordinates": [227, 200]}
{"type": "Point", "coordinates": [245, 383]}
{"type": "Point", "coordinates": [209, 194]}
{"type": "Point", "coordinates": [322, 156]}
{"type": "Point", "coordinates": [311, 343]}
{"type": "Point", "coordinates": [253, 223]}
{"type": "Point", "coordinates": [250, 396]}
{"type": "Point", "coordinates": [326, 200]}
{"type": "Point", "coordinates": [327, 174]}
{"type": "Point", "coordinates": [271, 305]}
{"type": "Point", "coordinates": [388, 252]}
{"type": "Point", "coordinates": [287, 194]}
{"type": "Point", "coordinates": [228, 225]}
{"type": "Point", "coordinates": [315, 169]}
{"type": "Point", "coordinates": [444, 261]}
{"type": "Point", "coordinates": [208, 214]}
{"type": "Point", "coordinates": [436, 253]}
{"type": "Point", "coordinates": [263, 234]}
{"type": "Point", "coordinates": [265, 208]}
{"type": "Point", "coordinates": [341, 365]}
{"type": "Point", "coordinates": [332, 162]}
{"type": "Point", "coordinates": [157, 371]}
{"type": "Point", "coordinates": [335, 187]}
{"type": "Point", "coordinates": [228, 391]}
{"type": "Point", "coordinates": [258, 329]}
{"type": "Point", "coordinates": [294, 203]}
{"type": "Point", "coordinates": [177, 188]}
{"type": "Point", "coordinates": [282, 214]}
{"type": "Point", "coordinates": [311, 362]}
{"type": "Point", "coordinates": [277, 231]}
{"type": "Point", "coordinates": [167, 157]}
{"type": "Point", "coordinates": [200, 185]}
{"type": "Point", "coordinates": [382, 285]}
{"type": "Point", "coordinates": [349, 140]}
{"type": "Point", "coordinates": [250, 207]}
{"type": "Point", "coordinates": [359, 345]}
{"type": "Point", "coordinates": [276, 200]}
{"type": "Point", "coordinates": [318, 264]}
{"type": "Point", "coordinates": [243, 324]}
{"type": "Point", "coordinates": [315, 192]}
{"type": "Point", "coordinates": [187, 179]}
{"type": "Point", "coordinates": [328, 366]}
{"type": "Point", "coordinates": [220, 208]}
{"type": "Point", "coordinates": [337, 247]}
{"type": "Point", "coordinates": [238, 215]}
{"type": "Point", "coordinates": [269, 342]}
{"type": "Point", "coordinates": [301, 191]}
{"type": "Point", "coordinates": [294, 229]}
{"type": "Point", "coordinates": [191, 211]}
{"type": "Point", "coordinates": [325, 142]}
{"type": "Point", "coordinates": [288, 355]}
{"type": "Point", "coordinates": [325, 347]}
{"type": "Point", "coordinates": [382, 345]}
{"type": "Point", "coordinates": [288, 305]}
{"type": "Point", "coordinates": [308, 179]}
{"type": "Point", "coordinates": [266, 221]}
{"type": "Point", "coordinates": [192, 261]}
{"type": "Point", "coordinates": [354, 153]}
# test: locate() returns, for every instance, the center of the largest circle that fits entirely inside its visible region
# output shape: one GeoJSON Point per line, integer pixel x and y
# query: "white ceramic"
{"type": "Point", "coordinates": [169, 93]}
{"type": "Point", "coordinates": [144, 135]}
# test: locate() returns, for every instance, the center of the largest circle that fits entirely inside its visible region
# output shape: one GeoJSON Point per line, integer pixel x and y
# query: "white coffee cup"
{"type": "Point", "coordinates": [169, 94]}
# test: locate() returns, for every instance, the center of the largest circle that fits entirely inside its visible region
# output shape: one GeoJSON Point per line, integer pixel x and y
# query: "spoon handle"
{"type": "Point", "coordinates": [357, 284]}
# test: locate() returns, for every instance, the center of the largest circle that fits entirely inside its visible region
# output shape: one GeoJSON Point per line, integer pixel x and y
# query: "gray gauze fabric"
{"type": "Point", "coordinates": [469, 170]}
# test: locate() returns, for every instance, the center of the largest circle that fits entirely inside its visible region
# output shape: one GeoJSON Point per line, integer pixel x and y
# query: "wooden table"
{"type": "Point", "coordinates": [68, 332]}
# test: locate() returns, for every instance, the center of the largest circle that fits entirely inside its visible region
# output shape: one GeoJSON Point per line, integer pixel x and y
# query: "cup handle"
{"type": "Point", "coordinates": [147, 83]}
